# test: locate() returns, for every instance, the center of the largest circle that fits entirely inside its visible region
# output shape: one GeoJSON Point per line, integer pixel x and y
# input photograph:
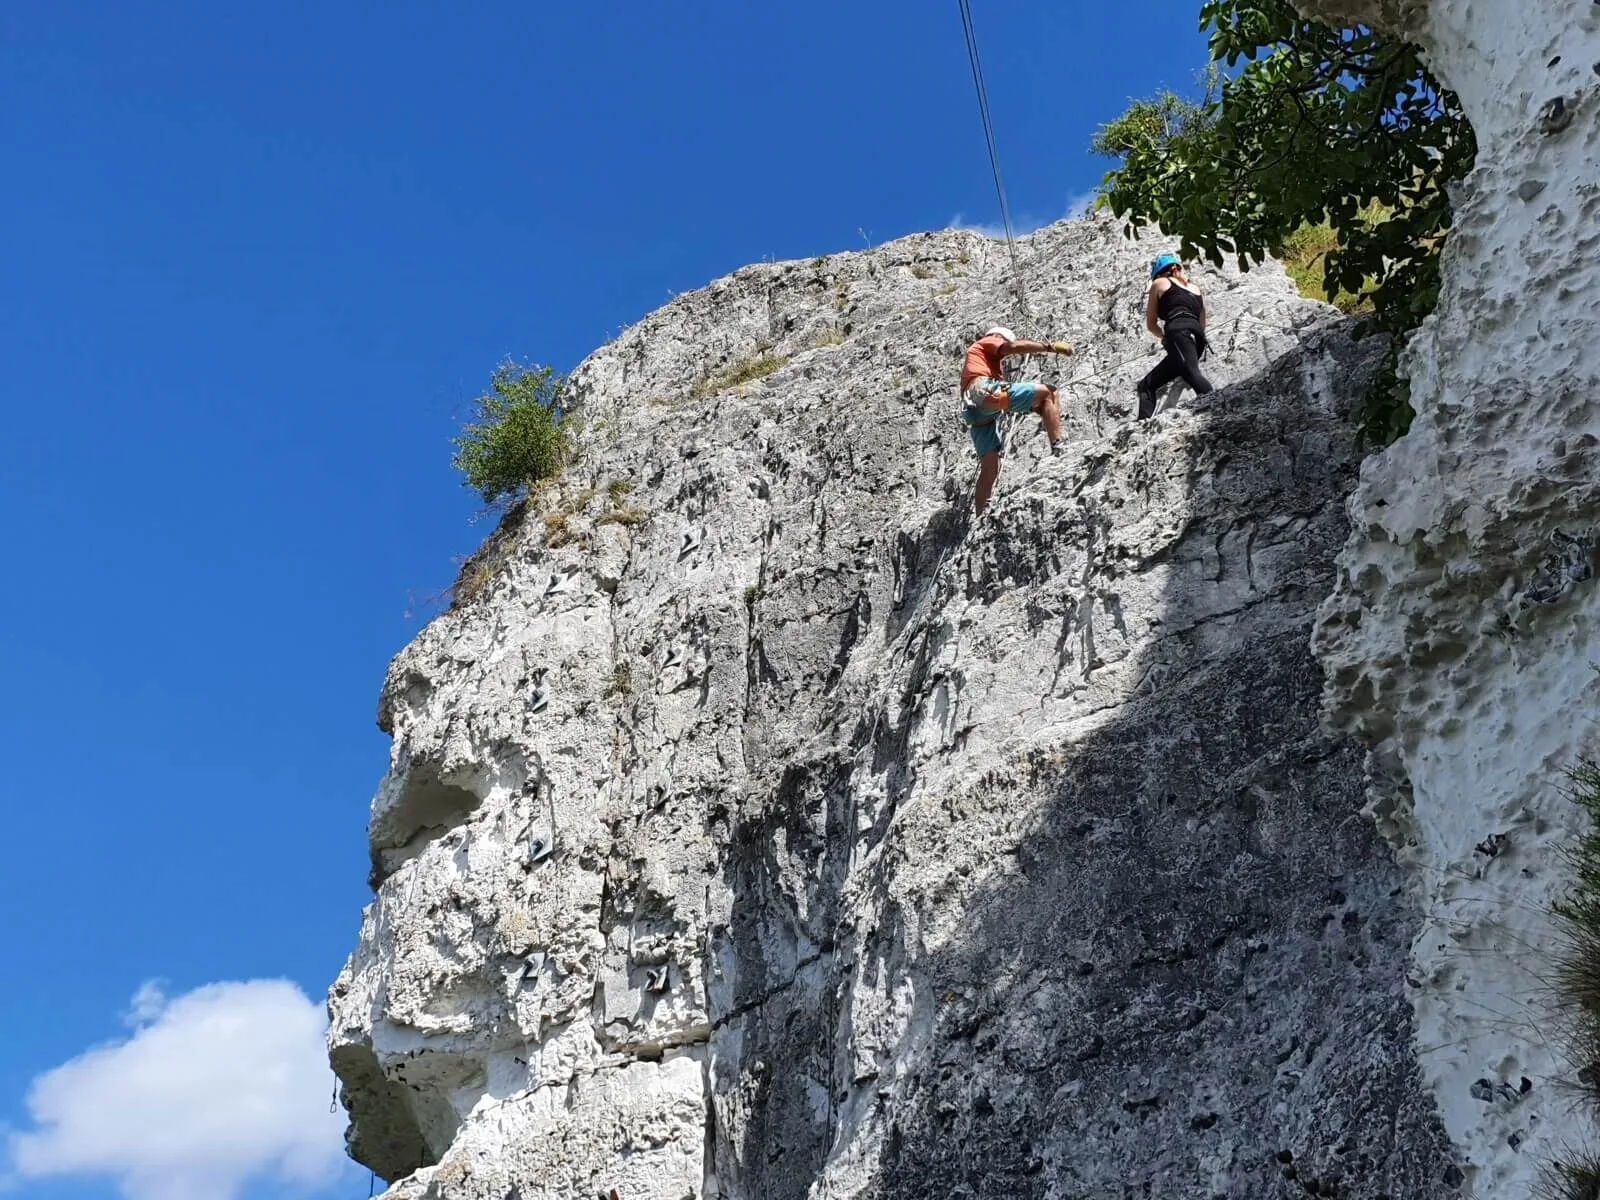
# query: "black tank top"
{"type": "Point", "coordinates": [1179, 306]}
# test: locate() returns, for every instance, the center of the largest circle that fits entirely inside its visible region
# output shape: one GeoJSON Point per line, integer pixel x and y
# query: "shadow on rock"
{"type": "Point", "coordinates": [1141, 943]}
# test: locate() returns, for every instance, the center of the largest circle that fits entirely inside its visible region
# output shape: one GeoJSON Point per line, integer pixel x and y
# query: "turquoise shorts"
{"type": "Point", "coordinates": [983, 423]}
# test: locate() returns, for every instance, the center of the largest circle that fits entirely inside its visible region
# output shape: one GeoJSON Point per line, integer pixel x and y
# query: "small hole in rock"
{"type": "Point", "coordinates": [1555, 60]}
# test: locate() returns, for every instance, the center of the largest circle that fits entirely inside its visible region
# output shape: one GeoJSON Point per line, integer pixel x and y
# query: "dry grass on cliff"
{"type": "Point", "coordinates": [1577, 1178]}
{"type": "Point", "coordinates": [746, 370]}
{"type": "Point", "coordinates": [621, 684]}
{"type": "Point", "coordinates": [1575, 982]}
{"type": "Point", "coordinates": [626, 515]}
{"type": "Point", "coordinates": [1573, 1173]}
{"type": "Point", "coordinates": [557, 529]}
{"type": "Point", "coordinates": [1577, 971]}
{"type": "Point", "coordinates": [481, 567]}
{"type": "Point", "coordinates": [561, 521]}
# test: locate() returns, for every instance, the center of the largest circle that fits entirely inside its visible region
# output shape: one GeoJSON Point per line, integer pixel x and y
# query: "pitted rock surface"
{"type": "Point", "coordinates": [1460, 638]}
{"type": "Point", "coordinates": [760, 825]}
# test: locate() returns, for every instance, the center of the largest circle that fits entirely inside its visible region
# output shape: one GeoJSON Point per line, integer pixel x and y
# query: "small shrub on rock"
{"type": "Point", "coordinates": [518, 436]}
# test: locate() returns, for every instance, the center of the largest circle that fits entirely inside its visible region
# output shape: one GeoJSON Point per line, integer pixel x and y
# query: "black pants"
{"type": "Point", "coordinates": [1184, 346]}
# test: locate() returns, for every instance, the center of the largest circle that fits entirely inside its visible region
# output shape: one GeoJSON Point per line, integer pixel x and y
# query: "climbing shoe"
{"type": "Point", "coordinates": [1147, 401]}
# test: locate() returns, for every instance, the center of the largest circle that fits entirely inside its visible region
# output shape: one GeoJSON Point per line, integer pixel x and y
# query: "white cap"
{"type": "Point", "coordinates": [1003, 332]}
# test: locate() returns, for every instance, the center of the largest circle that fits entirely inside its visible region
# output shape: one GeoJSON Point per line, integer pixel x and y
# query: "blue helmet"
{"type": "Point", "coordinates": [1165, 263]}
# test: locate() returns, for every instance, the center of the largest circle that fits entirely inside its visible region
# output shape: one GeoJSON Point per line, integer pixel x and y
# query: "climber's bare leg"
{"type": "Point", "coordinates": [988, 472]}
{"type": "Point", "coordinates": [1048, 406]}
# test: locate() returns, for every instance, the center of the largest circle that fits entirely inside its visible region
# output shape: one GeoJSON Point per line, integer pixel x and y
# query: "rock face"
{"type": "Point", "coordinates": [1460, 640]}
{"type": "Point", "coordinates": [760, 826]}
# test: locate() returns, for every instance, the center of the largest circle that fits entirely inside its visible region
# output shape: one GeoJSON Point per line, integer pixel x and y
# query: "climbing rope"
{"type": "Point", "coordinates": [971, 33]}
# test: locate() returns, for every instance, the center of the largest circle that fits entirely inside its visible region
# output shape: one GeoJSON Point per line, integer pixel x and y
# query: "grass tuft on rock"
{"type": "Point", "coordinates": [628, 516]}
{"type": "Point", "coordinates": [1576, 1178]}
{"type": "Point", "coordinates": [482, 567]}
{"type": "Point", "coordinates": [746, 370]}
{"type": "Point", "coordinates": [1575, 978]}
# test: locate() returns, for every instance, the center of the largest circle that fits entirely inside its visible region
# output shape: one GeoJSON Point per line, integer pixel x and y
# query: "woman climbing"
{"type": "Point", "coordinates": [1176, 304]}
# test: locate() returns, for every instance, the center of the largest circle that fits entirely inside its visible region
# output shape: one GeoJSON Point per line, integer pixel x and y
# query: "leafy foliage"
{"type": "Point", "coordinates": [1166, 120]}
{"type": "Point", "coordinates": [1304, 255]}
{"type": "Point", "coordinates": [1319, 125]}
{"type": "Point", "coordinates": [519, 435]}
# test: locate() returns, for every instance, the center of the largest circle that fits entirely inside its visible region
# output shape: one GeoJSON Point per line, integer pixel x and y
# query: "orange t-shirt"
{"type": "Point", "coordinates": [983, 361]}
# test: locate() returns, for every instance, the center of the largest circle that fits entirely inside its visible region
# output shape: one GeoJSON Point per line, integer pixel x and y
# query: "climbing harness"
{"type": "Point", "coordinates": [971, 34]}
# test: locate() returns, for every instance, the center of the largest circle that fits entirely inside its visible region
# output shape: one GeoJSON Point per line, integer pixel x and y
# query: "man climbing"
{"type": "Point", "coordinates": [985, 394]}
{"type": "Point", "coordinates": [1176, 304]}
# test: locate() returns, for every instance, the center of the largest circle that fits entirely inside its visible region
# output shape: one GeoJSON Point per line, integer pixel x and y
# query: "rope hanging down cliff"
{"type": "Point", "coordinates": [971, 34]}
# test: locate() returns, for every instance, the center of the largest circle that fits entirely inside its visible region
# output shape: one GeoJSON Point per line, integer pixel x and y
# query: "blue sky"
{"type": "Point", "coordinates": [258, 258]}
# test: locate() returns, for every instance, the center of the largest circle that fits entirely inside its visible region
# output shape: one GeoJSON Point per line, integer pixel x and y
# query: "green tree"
{"type": "Point", "coordinates": [1319, 126]}
{"type": "Point", "coordinates": [519, 434]}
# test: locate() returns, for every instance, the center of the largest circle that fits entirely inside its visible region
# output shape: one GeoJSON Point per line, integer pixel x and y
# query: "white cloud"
{"type": "Point", "coordinates": [147, 1004]}
{"type": "Point", "coordinates": [1019, 228]}
{"type": "Point", "coordinates": [1079, 205]}
{"type": "Point", "coordinates": [989, 231]}
{"type": "Point", "coordinates": [214, 1089]}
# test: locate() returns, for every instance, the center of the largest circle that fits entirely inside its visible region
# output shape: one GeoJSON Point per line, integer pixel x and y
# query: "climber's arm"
{"type": "Point", "coordinates": [1025, 346]}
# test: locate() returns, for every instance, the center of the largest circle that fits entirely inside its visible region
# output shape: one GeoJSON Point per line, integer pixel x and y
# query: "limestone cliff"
{"type": "Point", "coordinates": [1460, 639]}
{"type": "Point", "coordinates": [760, 826]}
